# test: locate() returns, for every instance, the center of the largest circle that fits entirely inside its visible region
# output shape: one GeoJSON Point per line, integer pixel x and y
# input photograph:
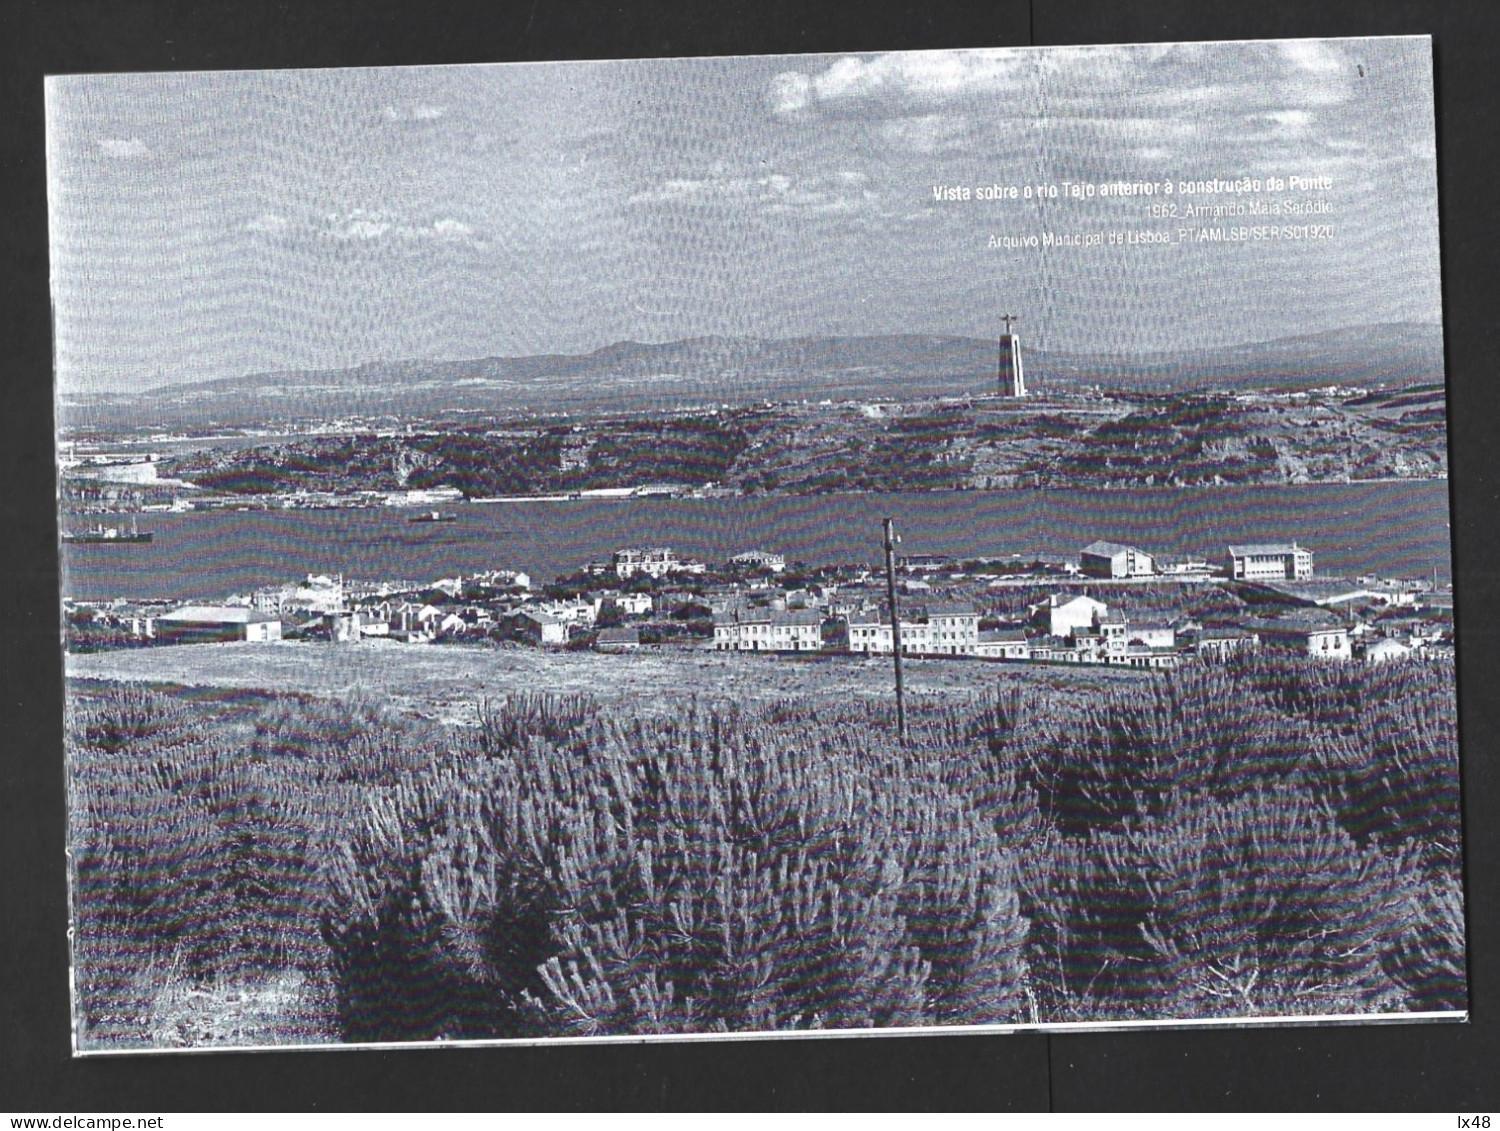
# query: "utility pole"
{"type": "Point", "coordinates": [891, 539]}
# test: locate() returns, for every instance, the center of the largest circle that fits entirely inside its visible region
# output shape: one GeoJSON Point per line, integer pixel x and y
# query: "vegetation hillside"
{"type": "Point", "coordinates": [1177, 440]}
{"type": "Point", "coordinates": [1265, 837]}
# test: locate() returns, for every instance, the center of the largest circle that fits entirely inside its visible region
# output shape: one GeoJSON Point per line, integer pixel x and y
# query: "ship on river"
{"type": "Point", "coordinates": [100, 533]}
{"type": "Point", "coordinates": [433, 516]}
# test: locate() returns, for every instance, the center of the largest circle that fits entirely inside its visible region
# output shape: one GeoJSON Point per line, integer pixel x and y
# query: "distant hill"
{"type": "Point", "coordinates": [636, 377]}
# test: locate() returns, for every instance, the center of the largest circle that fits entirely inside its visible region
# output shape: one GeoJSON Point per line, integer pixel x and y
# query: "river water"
{"type": "Point", "coordinates": [1388, 528]}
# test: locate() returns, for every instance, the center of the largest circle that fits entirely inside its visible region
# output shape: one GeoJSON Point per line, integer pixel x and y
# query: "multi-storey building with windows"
{"type": "Point", "coordinates": [1270, 561]}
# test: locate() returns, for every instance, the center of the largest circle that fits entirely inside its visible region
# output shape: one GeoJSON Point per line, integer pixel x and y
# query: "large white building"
{"type": "Point", "coordinates": [655, 562]}
{"type": "Point", "coordinates": [1270, 561]}
{"type": "Point", "coordinates": [768, 630]}
{"type": "Point", "coordinates": [934, 631]}
{"type": "Point", "coordinates": [217, 622]}
{"type": "Point", "coordinates": [1112, 559]}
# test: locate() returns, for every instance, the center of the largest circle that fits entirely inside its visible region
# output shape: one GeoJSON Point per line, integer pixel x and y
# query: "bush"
{"type": "Point", "coordinates": [1261, 906]}
{"type": "Point", "coordinates": [722, 871]}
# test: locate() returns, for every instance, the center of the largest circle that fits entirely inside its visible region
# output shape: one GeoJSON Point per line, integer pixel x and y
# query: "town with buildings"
{"type": "Point", "coordinates": [1111, 604]}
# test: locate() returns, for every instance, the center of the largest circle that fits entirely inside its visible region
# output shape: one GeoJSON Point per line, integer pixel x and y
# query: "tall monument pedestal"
{"type": "Point", "coordinates": [1012, 372]}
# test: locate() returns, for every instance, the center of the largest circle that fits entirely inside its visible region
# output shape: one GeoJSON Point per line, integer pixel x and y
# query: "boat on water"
{"type": "Point", "coordinates": [433, 516]}
{"type": "Point", "coordinates": [101, 533]}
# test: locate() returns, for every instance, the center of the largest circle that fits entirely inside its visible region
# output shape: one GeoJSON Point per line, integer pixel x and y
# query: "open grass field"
{"type": "Point", "coordinates": [448, 682]}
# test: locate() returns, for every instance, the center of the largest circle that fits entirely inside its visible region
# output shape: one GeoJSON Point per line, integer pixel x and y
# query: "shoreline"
{"type": "Point", "coordinates": [363, 501]}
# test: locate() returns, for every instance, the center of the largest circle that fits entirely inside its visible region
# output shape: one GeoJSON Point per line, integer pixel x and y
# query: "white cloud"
{"type": "Point", "coordinates": [790, 91]}
{"type": "Point", "coordinates": [452, 230]}
{"type": "Point", "coordinates": [1292, 121]}
{"type": "Point", "coordinates": [129, 148]}
{"type": "Point", "coordinates": [1315, 56]}
{"type": "Point", "coordinates": [919, 77]}
{"type": "Point", "coordinates": [413, 112]}
{"type": "Point", "coordinates": [1093, 80]}
{"type": "Point", "coordinates": [268, 222]}
{"type": "Point", "coordinates": [775, 193]}
{"type": "Point", "coordinates": [370, 224]}
{"type": "Point", "coordinates": [363, 228]}
{"type": "Point", "coordinates": [360, 224]}
{"type": "Point", "coordinates": [1137, 130]}
{"type": "Point", "coordinates": [1096, 67]}
{"type": "Point", "coordinates": [927, 133]}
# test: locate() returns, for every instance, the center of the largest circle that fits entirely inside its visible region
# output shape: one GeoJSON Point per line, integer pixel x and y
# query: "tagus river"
{"type": "Point", "coordinates": [1388, 528]}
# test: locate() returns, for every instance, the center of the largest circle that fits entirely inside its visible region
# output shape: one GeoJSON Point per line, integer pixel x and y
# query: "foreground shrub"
{"type": "Point", "coordinates": [1259, 907]}
{"type": "Point", "coordinates": [1265, 836]}
{"type": "Point", "coordinates": [711, 872]}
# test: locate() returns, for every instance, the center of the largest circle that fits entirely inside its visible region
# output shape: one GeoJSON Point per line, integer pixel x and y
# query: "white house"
{"type": "Point", "coordinates": [572, 612]}
{"type": "Point", "coordinates": [502, 579]}
{"type": "Point", "coordinates": [1220, 643]}
{"type": "Point", "coordinates": [1102, 640]}
{"type": "Point", "coordinates": [1063, 616]}
{"type": "Point", "coordinates": [1384, 651]}
{"type": "Point", "coordinates": [631, 604]}
{"type": "Point", "coordinates": [1152, 635]}
{"type": "Point", "coordinates": [1002, 644]}
{"type": "Point", "coordinates": [653, 563]}
{"type": "Point", "coordinates": [541, 628]}
{"type": "Point", "coordinates": [868, 632]}
{"type": "Point", "coordinates": [320, 593]}
{"type": "Point", "coordinates": [1324, 640]}
{"type": "Point", "coordinates": [1144, 656]}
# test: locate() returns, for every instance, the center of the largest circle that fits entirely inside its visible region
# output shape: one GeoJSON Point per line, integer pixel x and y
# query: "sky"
{"type": "Point", "coordinates": [206, 225]}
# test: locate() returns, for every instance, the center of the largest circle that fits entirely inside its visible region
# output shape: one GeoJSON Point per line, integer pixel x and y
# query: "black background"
{"type": "Point", "coordinates": [1373, 1067]}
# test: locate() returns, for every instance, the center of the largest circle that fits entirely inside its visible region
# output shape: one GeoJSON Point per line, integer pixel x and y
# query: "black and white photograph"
{"type": "Point", "coordinates": [690, 548]}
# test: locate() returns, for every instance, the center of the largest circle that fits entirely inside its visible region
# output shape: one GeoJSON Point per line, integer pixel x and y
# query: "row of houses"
{"type": "Point", "coordinates": [749, 611]}
{"type": "Point", "coordinates": [1080, 630]}
{"type": "Point", "coordinates": [1077, 629]}
{"type": "Point", "coordinates": [1119, 561]}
